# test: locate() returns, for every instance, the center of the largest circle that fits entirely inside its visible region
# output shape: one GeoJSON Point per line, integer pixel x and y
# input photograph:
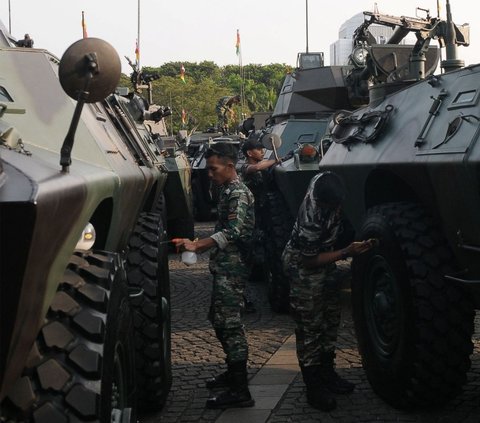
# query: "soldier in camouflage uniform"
{"type": "Point", "coordinates": [309, 261]}
{"type": "Point", "coordinates": [251, 174]}
{"type": "Point", "coordinates": [230, 244]}
{"type": "Point", "coordinates": [225, 112]}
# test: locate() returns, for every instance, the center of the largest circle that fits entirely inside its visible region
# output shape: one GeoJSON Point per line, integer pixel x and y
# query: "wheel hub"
{"type": "Point", "coordinates": [381, 307]}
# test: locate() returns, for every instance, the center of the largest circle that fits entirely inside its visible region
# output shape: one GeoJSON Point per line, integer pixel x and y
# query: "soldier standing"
{"type": "Point", "coordinates": [230, 243]}
{"type": "Point", "coordinates": [251, 173]}
{"type": "Point", "coordinates": [309, 261]}
{"type": "Point", "coordinates": [225, 112]}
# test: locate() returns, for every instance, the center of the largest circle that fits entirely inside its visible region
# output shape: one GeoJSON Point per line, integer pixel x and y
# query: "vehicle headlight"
{"type": "Point", "coordinates": [87, 239]}
{"type": "Point", "coordinates": [307, 153]}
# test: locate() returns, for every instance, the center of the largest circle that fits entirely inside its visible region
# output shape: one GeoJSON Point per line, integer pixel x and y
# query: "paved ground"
{"type": "Point", "coordinates": [196, 355]}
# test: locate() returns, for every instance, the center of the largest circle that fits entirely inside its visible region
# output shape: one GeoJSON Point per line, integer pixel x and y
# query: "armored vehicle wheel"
{"type": "Point", "coordinates": [81, 366]}
{"type": "Point", "coordinates": [147, 272]}
{"type": "Point", "coordinates": [161, 209]}
{"type": "Point", "coordinates": [279, 228]}
{"type": "Point", "coordinates": [414, 328]}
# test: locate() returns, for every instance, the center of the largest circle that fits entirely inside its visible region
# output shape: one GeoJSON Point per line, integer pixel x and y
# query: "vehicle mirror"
{"type": "Point", "coordinates": [271, 141]}
{"type": "Point", "coordinates": [91, 67]}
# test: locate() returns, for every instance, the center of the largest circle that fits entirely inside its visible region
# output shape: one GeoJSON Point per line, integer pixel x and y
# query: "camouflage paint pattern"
{"type": "Point", "coordinates": [314, 293]}
{"type": "Point", "coordinates": [254, 182]}
{"type": "Point", "coordinates": [228, 266]}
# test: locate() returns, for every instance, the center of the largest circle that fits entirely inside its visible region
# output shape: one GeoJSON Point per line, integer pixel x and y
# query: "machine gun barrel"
{"type": "Point", "coordinates": [410, 24]}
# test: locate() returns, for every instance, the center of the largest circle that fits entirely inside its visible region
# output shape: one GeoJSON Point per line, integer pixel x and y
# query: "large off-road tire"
{"type": "Point", "coordinates": [414, 327]}
{"type": "Point", "coordinates": [81, 367]}
{"type": "Point", "coordinates": [147, 272]}
{"type": "Point", "coordinates": [279, 227]}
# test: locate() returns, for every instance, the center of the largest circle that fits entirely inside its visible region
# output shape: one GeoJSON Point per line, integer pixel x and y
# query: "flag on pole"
{"type": "Point", "coordinates": [84, 26]}
{"type": "Point", "coordinates": [184, 117]}
{"type": "Point", "coordinates": [237, 45]}
{"type": "Point", "coordinates": [137, 51]}
{"type": "Point", "coordinates": [182, 73]}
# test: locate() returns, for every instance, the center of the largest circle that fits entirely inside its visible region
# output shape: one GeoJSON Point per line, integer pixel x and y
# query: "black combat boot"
{"type": "Point", "coordinates": [220, 381]}
{"type": "Point", "coordinates": [330, 378]}
{"type": "Point", "coordinates": [238, 394]}
{"type": "Point", "coordinates": [318, 396]}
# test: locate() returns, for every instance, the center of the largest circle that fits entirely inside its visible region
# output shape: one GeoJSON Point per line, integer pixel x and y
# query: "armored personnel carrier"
{"type": "Point", "coordinates": [410, 162]}
{"type": "Point", "coordinates": [308, 99]}
{"type": "Point", "coordinates": [177, 205]}
{"type": "Point", "coordinates": [84, 288]}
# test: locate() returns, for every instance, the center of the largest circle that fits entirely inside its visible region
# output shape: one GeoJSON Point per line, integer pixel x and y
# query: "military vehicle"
{"type": "Point", "coordinates": [309, 97]}
{"type": "Point", "coordinates": [85, 329]}
{"type": "Point", "coordinates": [177, 207]}
{"type": "Point", "coordinates": [410, 161]}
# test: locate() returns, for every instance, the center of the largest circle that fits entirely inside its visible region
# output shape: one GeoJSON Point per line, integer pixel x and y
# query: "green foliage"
{"type": "Point", "coordinates": [205, 83]}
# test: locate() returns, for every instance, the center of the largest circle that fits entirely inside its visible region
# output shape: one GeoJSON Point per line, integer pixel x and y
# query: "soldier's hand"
{"type": "Point", "coordinates": [184, 244]}
{"type": "Point", "coordinates": [360, 247]}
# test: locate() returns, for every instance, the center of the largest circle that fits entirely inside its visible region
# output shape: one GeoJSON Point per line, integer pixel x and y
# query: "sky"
{"type": "Point", "coordinates": [271, 31]}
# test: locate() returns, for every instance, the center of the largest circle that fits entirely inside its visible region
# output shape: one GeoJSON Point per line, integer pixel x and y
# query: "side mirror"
{"type": "Point", "coordinates": [91, 67]}
{"type": "Point", "coordinates": [89, 71]}
{"type": "Point", "coordinates": [271, 141]}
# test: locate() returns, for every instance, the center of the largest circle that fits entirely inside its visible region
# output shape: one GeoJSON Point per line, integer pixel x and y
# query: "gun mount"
{"type": "Point", "coordinates": [385, 68]}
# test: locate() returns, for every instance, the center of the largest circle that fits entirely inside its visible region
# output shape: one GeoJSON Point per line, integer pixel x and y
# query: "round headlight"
{"type": "Point", "coordinates": [87, 239]}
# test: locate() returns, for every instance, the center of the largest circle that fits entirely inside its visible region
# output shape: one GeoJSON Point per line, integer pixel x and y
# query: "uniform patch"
{"type": "Point", "coordinates": [232, 216]}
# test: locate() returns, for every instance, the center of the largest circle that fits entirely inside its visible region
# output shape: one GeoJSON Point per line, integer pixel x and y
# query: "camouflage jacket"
{"type": "Point", "coordinates": [315, 231]}
{"type": "Point", "coordinates": [236, 219]}
{"type": "Point", "coordinates": [254, 182]}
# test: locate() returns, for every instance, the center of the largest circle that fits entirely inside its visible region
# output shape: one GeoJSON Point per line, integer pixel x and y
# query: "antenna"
{"type": "Point", "coordinates": [9, 18]}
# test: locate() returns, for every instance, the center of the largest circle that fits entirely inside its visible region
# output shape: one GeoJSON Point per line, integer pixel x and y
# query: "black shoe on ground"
{"type": "Point", "coordinates": [219, 381]}
{"type": "Point", "coordinates": [231, 399]}
{"type": "Point", "coordinates": [334, 383]}
{"type": "Point", "coordinates": [321, 399]}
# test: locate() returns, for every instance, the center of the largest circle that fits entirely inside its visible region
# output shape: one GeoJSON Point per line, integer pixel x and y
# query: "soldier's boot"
{"type": "Point", "coordinates": [330, 378]}
{"type": "Point", "coordinates": [219, 381]}
{"type": "Point", "coordinates": [318, 396]}
{"type": "Point", "coordinates": [237, 395]}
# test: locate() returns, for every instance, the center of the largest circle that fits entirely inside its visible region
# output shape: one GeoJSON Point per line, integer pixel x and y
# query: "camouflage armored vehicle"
{"type": "Point", "coordinates": [84, 289]}
{"type": "Point", "coordinates": [177, 207]}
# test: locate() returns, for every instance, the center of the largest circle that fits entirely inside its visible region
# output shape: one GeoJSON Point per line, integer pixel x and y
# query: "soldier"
{"type": "Point", "coordinates": [251, 173]}
{"type": "Point", "coordinates": [230, 243]}
{"type": "Point", "coordinates": [309, 261]}
{"type": "Point", "coordinates": [26, 42]}
{"type": "Point", "coordinates": [225, 112]}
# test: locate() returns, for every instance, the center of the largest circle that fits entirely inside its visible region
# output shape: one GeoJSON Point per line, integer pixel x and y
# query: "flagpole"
{"type": "Point", "coordinates": [242, 76]}
{"type": "Point", "coordinates": [306, 23]}
{"type": "Point", "coordinates": [138, 36]}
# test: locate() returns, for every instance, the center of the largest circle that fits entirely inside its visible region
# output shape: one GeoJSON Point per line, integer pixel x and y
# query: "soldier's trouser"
{"type": "Point", "coordinates": [227, 303]}
{"type": "Point", "coordinates": [316, 310]}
